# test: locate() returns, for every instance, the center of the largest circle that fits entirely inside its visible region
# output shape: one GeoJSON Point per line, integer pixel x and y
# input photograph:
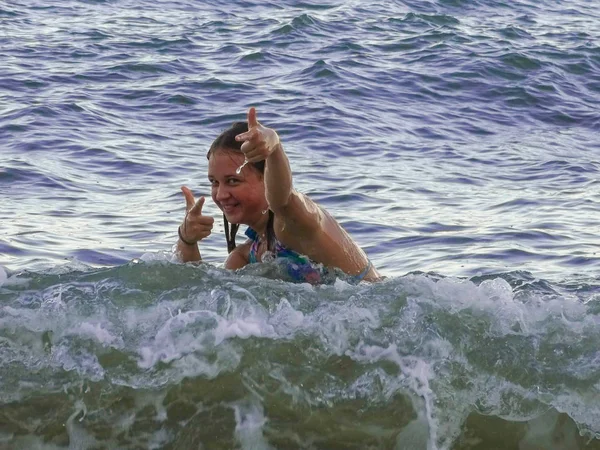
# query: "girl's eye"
{"type": "Point", "coordinates": [213, 182]}
{"type": "Point", "coordinates": [232, 181]}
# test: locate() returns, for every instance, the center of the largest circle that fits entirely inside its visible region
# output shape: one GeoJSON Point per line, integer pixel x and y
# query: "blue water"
{"type": "Point", "coordinates": [456, 140]}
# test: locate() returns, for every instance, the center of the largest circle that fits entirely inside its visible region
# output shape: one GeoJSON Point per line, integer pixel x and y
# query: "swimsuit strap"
{"type": "Point", "coordinates": [253, 235]}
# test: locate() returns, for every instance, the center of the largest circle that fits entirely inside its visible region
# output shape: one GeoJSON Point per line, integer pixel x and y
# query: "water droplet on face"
{"type": "Point", "coordinates": [239, 169]}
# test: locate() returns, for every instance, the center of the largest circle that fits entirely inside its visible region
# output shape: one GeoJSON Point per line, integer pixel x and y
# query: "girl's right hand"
{"type": "Point", "coordinates": [195, 226]}
{"type": "Point", "coordinates": [259, 141]}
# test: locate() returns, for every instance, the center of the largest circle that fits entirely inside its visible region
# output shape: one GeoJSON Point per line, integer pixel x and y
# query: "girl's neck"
{"type": "Point", "coordinates": [260, 226]}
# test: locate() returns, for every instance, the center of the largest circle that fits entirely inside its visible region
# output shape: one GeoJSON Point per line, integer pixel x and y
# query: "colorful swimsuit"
{"type": "Point", "coordinates": [299, 267]}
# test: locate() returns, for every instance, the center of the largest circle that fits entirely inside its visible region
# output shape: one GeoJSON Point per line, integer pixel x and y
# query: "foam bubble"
{"type": "Point", "coordinates": [286, 319]}
{"type": "Point", "coordinates": [192, 343]}
{"type": "Point", "coordinates": [7, 279]}
{"type": "Point", "coordinates": [161, 256]}
{"type": "Point", "coordinates": [242, 328]}
{"type": "Point", "coordinates": [175, 339]}
{"type": "Point", "coordinates": [454, 348]}
{"type": "Point", "coordinates": [249, 423]}
{"type": "Point", "coordinates": [341, 285]}
{"type": "Point", "coordinates": [78, 436]}
{"type": "Point", "coordinates": [415, 374]}
{"type": "Point", "coordinates": [97, 332]}
{"type": "Point", "coordinates": [79, 360]}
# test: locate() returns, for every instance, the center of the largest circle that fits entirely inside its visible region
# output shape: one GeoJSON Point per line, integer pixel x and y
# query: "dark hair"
{"type": "Point", "coordinates": [226, 141]}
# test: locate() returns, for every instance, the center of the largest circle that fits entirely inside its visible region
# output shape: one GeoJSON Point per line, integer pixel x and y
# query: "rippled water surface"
{"type": "Point", "coordinates": [456, 140]}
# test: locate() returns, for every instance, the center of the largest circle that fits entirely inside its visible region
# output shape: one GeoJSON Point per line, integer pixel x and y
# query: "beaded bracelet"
{"type": "Point", "coordinates": [182, 239]}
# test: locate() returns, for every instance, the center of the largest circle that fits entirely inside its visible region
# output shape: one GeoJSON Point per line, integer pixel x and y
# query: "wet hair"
{"type": "Point", "coordinates": [226, 141]}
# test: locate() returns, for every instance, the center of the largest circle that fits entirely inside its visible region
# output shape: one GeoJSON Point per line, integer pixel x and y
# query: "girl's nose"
{"type": "Point", "coordinates": [222, 192]}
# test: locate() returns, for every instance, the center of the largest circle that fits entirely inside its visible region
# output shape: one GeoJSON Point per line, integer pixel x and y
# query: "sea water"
{"type": "Point", "coordinates": [455, 140]}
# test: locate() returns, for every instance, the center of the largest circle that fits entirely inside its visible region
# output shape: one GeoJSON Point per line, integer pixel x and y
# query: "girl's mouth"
{"type": "Point", "coordinates": [229, 208]}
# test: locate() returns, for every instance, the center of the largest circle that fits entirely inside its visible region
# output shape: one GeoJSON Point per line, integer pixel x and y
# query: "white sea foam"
{"type": "Point", "coordinates": [340, 325]}
{"type": "Point", "coordinates": [415, 374]}
{"type": "Point", "coordinates": [12, 280]}
{"type": "Point", "coordinates": [79, 438]}
{"type": "Point", "coordinates": [83, 362]}
{"type": "Point", "coordinates": [416, 322]}
{"type": "Point", "coordinates": [242, 328]}
{"type": "Point", "coordinates": [174, 338]}
{"type": "Point", "coordinates": [159, 439]}
{"type": "Point", "coordinates": [415, 435]}
{"type": "Point", "coordinates": [249, 422]}
{"type": "Point", "coordinates": [160, 256]}
{"type": "Point", "coordinates": [98, 332]}
{"type": "Point", "coordinates": [194, 342]}
{"type": "Point", "coordinates": [285, 319]}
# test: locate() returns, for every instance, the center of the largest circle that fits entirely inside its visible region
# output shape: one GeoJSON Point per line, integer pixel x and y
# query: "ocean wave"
{"type": "Point", "coordinates": [442, 351]}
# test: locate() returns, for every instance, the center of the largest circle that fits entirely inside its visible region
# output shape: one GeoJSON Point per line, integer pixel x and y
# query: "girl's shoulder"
{"type": "Point", "coordinates": [239, 257]}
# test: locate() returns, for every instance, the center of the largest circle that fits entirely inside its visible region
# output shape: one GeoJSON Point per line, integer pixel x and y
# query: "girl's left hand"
{"type": "Point", "coordinates": [260, 141]}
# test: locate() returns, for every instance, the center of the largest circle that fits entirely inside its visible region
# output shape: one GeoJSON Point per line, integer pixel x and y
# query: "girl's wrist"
{"type": "Point", "coordinates": [182, 239]}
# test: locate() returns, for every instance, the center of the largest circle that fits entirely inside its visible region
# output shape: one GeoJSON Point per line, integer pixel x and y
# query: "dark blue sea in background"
{"type": "Point", "coordinates": [456, 140]}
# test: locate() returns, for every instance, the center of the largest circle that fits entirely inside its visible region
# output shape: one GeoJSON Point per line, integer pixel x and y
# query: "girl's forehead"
{"type": "Point", "coordinates": [224, 161]}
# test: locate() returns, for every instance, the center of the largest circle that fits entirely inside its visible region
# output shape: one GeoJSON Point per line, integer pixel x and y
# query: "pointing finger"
{"type": "Point", "coordinates": [189, 198]}
{"type": "Point", "coordinates": [252, 120]}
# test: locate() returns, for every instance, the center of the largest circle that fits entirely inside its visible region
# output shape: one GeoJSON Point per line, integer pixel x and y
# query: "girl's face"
{"type": "Point", "coordinates": [240, 197]}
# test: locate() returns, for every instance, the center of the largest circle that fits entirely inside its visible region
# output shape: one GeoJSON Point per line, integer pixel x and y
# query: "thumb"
{"type": "Point", "coordinates": [189, 198]}
{"type": "Point", "coordinates": [197, 208]}
{"type": "Point", "coordinates": [252, 120]}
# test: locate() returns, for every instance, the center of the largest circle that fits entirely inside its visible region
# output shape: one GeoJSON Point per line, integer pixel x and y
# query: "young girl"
{"type": "Point", "coordinates": [280, 219]}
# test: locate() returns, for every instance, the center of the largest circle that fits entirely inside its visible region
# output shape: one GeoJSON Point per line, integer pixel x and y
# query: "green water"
{"type": "Point", "coordinates": [159, 355]}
